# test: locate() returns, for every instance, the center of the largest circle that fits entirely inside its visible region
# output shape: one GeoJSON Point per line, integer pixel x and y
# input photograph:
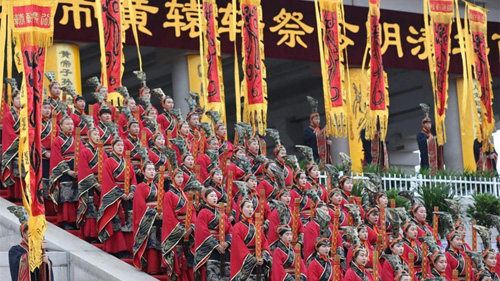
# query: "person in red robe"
{"type": "Point", "coordinates": [394, 261]}
{"type": "Point", "coordinates": [455, 256]}
{"type": "Point", "coordinates": [63, 189]}
{"type": "Point", "coordinates": [57, 106]}
{"type": "Point", "coordinates": [80, 118]}
{"type": "Point", "coordinates": [252, 148]}
{"type": "Point", "coordinates": [280, 155]}
{"type": "Point", "coordinates": [371, 222]}
{"type": "Point", "coordinates": [215, 181]}
{"type": "Point", "coordinates": [204, 160]}
{"type": "Point", "coordinates": [107, 129]}
{"type": "Point", "coordinates": [212, 255]}
{"type": "Point", "coordinates": [240, 166]}
{"type": "Point", "coordinates": [357, 271]}
{"type": "Point", "coordinates": [149, 125]}
{"type": "Point", "coordinates": [166, 119]}
{"type": "Point", "coordinates": [244, 262]}
{"type": "Point", "coordinates": [147, 223]}
{"type": "Point", "coordinates": [178, 237]}
{"type": "Point", "coordinates": [285, 258]}
{"type": "Point", "coordinates": [438, 264]}
{"type": "Point", "coordinates": [335, 199]}
{"type": "Point", "coordinates": [313, 179]}
{"type": "Point", "coordinates": [412, 245]}
{"type": "Point", "coordinates": [346, 185]}
{"type": "Point", "coordinates": [19, 261]}
{"type": "Point", "coordinates": [123, 120]}
{"type": "Point", "coordinates": [114, 218]}
{"type": "Point", "coordinates": [283, 215]}
{"type": "Point", "coordinates": [320, 265]}
{"type": "Point", "coordinates": [320, 226]}
{"type": "Point", "coordinates": [10, 147]}
{"type": "Point", "coordinates": [308, 198]}
{"type": "Point", "coordinates": [418, 215]}
{"type": "Point", "coordinates": [102, 92]}
{"type": "Point", "coordinates": [269, 183]}
{"type": "Point", "coordinates": [156, 151]}
{"type": "Point", "coordinates": [363, 237]}
{"type": "Point", "coordinates": [47, 136]}
{"type": "Point", "coordinates": [133, 144]}
{"type": "Point", "coordinates": [490, 262]}
{"type": "Point", "coordinates": [89, 189]}
{"type": "Point", "coordinates": [226, 148]}
{"type": "Point", "coordinates": [248, 191]}
{"type": "Point", "coordinates": [144, 100]}
{"type": "Point", "coordinates": [183, 134]}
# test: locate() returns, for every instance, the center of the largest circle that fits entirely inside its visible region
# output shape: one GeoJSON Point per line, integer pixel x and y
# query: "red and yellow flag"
{"type": "Point", "coordinates": [329, 18]}
{"type": "Point", "coordinates": [253, 87]}
{"type": "Point", "coordinates": [111, 38]}
{"type": "Point", "coordinates": [438, 17]}
{"type": "Point", "coordinates": [474, 46]}
{"type": "Point", "coordinates": [32, 24]}
{"type": "Point", "coordinates": [377, 115]}
{"type": "Point", "coordinates": [213, 85]}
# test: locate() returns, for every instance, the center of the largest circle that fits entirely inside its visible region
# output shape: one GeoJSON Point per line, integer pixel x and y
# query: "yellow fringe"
{"type": "Point", "coordinates": [255, 114]}
{"type": "Point", "coordinates": [3, 35]}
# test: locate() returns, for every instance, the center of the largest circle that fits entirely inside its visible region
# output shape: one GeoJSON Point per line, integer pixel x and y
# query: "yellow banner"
{"type": "Point", "coordinates": [64, 60]}
{"type": "Point", "coordinates": [469, 121]}
{"type": "Point", "coordinates": [196, 80]}
{"type": "Point", "coordinates": [359, 89]}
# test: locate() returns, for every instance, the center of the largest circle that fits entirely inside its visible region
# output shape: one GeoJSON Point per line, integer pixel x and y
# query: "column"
{"type": "Point", "coordinates": [180, 83]}
{"type": "Point", "coordinates": [453, 146]}
{"type": "Point", "coordinates": [338, 145]}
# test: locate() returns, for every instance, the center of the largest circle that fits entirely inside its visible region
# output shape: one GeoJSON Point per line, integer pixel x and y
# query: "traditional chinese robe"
{"type": "Point", "coordinates": [284, 259]}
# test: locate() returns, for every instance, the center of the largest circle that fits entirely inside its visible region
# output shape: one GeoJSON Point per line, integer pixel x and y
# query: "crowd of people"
{"type": "Point", "coordinates": [181, 200]}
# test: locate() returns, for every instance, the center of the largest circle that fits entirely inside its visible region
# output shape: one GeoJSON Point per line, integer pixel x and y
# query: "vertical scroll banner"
{"type": "Point", "coordinates": [476, 45]}
{"type": "Point", "coordinates": [438, 17]}
{"type": "Point", "coordinates": [210, 58]}
{"type": "Point", "coordinates": [378, 114]}
{"type": "Point", "coordinates": [253, 87]}
{"type": "Point", "coordinates": [329, 18]}
{"type": "Point", "coordinates": [65, 62]}
{"type": "Point", "coordinates": [32, 27]}
{"type": "Point", "coordinates": [111, 38]}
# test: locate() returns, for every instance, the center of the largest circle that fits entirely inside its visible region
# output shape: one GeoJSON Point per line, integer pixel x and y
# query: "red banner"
{"type": "Point", "coordinates": [213, 65]}
{"type": "Point", "coordinates": [332, 44]}
{"type": "Point", "coordinates": [253, 87]}
{"type": "Point", "coordinates": [377, 83]}
{"type": "Point", "coordinates": [112, 26]}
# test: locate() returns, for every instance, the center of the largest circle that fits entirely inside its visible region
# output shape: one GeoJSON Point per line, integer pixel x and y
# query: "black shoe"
{"type": "Point", "coordinates": [68, 226]}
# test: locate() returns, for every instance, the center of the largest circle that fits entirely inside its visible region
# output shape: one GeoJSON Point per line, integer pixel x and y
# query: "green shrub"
{"type": "Point", "coordinates": [399, 200]}
{"type": "Point", "coordinates": [484, 204]}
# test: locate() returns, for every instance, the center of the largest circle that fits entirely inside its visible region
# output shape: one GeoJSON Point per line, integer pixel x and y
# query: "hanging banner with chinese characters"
{"type": "Point", "coordinates": [253, 87]}
{"type": "Point", "coordinates": [32, 29]}
{"type": "Point", "coordinates": [330, 17]}
{"type": "Point", "coordinates": [111, 37]}
{"type": "Point", "coordinates": [210, 57]}
{"type": "Point", "coordinates": [378, 114]}
{"type": "Point", "coordinates": [65, 62]}
{"type": "Point", "coordinates": [479, 68]}
{"type": "Point", "coordinates": [438, 17]}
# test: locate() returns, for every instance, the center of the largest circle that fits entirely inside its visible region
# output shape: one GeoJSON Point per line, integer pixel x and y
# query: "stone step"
{"type": "Point", "coordinates": [160, 277]}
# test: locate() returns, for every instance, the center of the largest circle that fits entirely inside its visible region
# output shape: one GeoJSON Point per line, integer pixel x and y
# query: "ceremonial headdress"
{"type": "Point", "coordinates": [282, 229]}
{"type": "Point", "coordinates": [275, 135]}
{"type": "Point", "coordinates": [308, 154]}
{"type": "Point", "coordinates": [21, 214]}
{"type": "Point", "coordinates": [485, 234]}
{"type": "Point", "coordinates": [396, 217]}
{"type": "Point", "coordinates": [244, 193]}
{"type": "Point", "coordinates": [354, 211]}
{"type": "Point", "coordinates": [141, 75]}
{"type": "Point", "coordinates": [13, 85]}
{"type": "Point", "coordinates": [216, 119]}
{"type": "Point", "coordinates": [426, 109]}
{"type": "Point", "coordinates": [433, 249]}
{"type": "Point", "coordinates": [314, 107]}
{"type": "Point", "coordinates": [194, 105]}
{"type": "Point", "coordinates": [70, 90]}
{"type": "Point", "coordinates": [333, 174]}
{"type": "Point", "coordinates": [455, 209]}
{"type": "Point", "coordinates": [321, 241]}
{"type": "Point", "coordinates": [96, 84]}
{"type": "Point", "coordinates": [180, 143]}
{"type": "Point", "coordinates": [51, 76]}
{"type": "Point", "coordinates": [158, 92]}
{"type": "Point", "coordinates": [352, 234]}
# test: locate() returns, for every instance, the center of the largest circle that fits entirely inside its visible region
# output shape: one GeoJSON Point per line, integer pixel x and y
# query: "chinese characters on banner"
{"type": "Point", "coordinates": [289, 30]}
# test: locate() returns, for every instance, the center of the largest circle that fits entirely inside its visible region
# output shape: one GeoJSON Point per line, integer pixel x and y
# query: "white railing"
{"type": "Point", "coordinates": [461, 186]}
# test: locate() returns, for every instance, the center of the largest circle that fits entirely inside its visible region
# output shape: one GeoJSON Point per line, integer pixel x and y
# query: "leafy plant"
{"type": "Point", "coordinates": [392, 194]}
{"type": "Point", "coordinates": [435, 197]}
{"type": "Point", "coordinates": [484, 204]}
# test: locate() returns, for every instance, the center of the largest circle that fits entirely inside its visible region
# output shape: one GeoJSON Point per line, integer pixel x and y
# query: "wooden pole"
{"type": "Point", "coordinates": [262, 201]}
{"type": "Point", "coordinates": [222, 230]}
{"type": "Point", "coordinates": [425, 260]}
{"type": "Point", "coordinates": [229, 191]}
{"type": "Point", "coordinates": [100, 162]}
{"type": "Point", "coordinates": [383, 225]}
{"type": "Point", "coordinates": [375, 265]}
{"type": "Point", "coordinates": [77, 149]}
{"type": "Point", "coordinates": [474, 237]}
{"type": "Point", "coordinates": [297, 262]}
{"type": "Point", "coordinates": [335, 232]}
{"type": "Point", "coordinates": [393, 203]}
{"type": "Point", "coordinates": [350, 218]}
{"type": "Point", "coordinates": [455, 275]}
{"type": "Point", "coordinates": [468, 273]}
{"type": "Point", "coordinates": [127, 172]}
{"type": "Point", "coordinates": [258, 236]}
{"type": "Point", "coordinates": [161, 179]}
{"type": "Point", "coordinates": [53, 134]}
{"type": "Point", "coordinates": [189, 214]}
{"type": "Point", "coordinates": [144, 141]}
{"type": "Point", "coordinates": [435, 224]}
{"type": "Point", "coordinates": [411, 263]}
{"type": "Point", "coordinates": [336, 268]}
{"type": "Point", "coordinates": [296, 207]}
